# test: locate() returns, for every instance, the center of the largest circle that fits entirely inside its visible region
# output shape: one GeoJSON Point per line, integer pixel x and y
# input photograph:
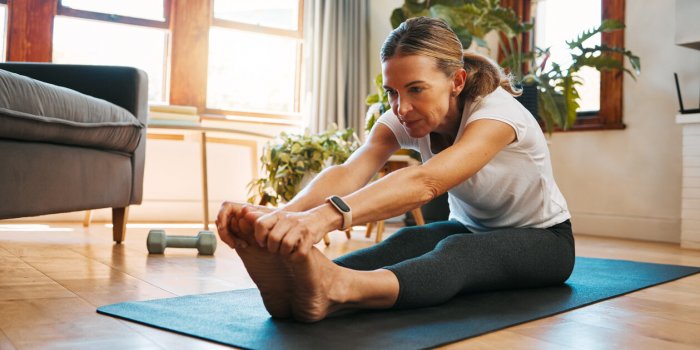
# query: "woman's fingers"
{"type": "Point", "coordinates": [290, 242]}
{"type": "Point", "coordinates": [227, 210]}
{"type": "Point", "coordinates": [278, 233]}
{"type": "Point", "coordinates": [258, 224]}
{"type": "Point", "coordinates": [304, 245]}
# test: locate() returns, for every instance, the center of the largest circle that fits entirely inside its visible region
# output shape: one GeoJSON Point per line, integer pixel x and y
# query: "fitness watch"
{"type": "Point", "coordinates": [344, 209]}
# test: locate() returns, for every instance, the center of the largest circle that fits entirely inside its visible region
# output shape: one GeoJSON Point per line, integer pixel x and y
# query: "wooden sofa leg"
{"type": "Point", "coordinates": [119, 217]}
{"type": "Point", "coordinates": [87, 218]}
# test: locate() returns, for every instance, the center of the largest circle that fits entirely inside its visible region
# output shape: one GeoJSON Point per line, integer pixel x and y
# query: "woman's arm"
{"type": "Point", "coordinates": [337, 180]}
{"type": "Point", "coordinates": [394, 194]}
{"type": "Point", "coordinates": [411, 187]}
{"type": "Point", "coordinates": [357, 171]}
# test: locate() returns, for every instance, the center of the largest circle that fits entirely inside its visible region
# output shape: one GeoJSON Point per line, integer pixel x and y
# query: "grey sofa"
{"type": "Point", "coordinates": [76, 143]}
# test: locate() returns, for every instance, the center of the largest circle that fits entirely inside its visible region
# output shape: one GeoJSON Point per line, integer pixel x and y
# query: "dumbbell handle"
{"type": "Point", "coordinates": [182, 241]}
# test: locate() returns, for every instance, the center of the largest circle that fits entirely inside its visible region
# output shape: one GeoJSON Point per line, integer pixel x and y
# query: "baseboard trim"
{"type": "Point", "coordinates": [685, 244]}
{"type": "Point", "coordinates": [628, 227]}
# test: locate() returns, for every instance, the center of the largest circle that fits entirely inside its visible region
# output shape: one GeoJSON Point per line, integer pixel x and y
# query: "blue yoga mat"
{"type": "Point", "coordinates": [239, 318]}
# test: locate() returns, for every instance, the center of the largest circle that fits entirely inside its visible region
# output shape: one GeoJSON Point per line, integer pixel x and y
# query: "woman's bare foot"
{"type": "Point", "coordinates": [318, 288]}
{"type": "Point", "coordinates": [311, 287]}
{"type": "Point", "coordinates": [272, 276]}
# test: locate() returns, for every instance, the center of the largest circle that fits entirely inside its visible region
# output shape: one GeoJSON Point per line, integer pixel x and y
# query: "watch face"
{"type": "Point", "coordinates": [340, 204]}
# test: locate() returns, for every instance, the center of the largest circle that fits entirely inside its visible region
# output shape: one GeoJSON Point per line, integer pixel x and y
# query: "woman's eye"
{"type": "Point", "coordinates": [391, 93]}
{"type": "Point", "coordinates": [415, 89]}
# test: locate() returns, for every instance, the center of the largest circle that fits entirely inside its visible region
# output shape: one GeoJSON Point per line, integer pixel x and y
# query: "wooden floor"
{"type": "Point", "coordinates": [52, 279]}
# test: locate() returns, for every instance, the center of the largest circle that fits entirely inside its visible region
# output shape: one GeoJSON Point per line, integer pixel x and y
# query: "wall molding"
{"type": "Point", "coordinates": [628, 227]}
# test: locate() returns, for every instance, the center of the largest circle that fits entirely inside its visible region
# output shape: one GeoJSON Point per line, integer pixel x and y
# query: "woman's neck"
{"type": "Point", "coordinates": [445, 135]}
{"type": "Point", "coordinates": [450, 127]}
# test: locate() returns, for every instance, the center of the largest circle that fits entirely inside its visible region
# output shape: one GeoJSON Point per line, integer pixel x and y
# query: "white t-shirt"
{"type": "Point", "coordinates": [516, 188]}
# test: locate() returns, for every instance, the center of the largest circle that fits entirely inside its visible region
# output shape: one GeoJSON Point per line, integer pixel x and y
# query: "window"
{"type": "Point", "coordinates": [559, 21]}
{"type": "Point", "coordinates": [254, 64]}
{"type": "Point", "coordinates": [117, 32]}
{"type": "Point", "coordinates": [608, 114]}
{"type": "Point", "coordinates": [3, 30]}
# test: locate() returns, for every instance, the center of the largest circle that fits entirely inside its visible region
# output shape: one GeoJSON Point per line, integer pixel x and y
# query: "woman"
{"type": "Point", "coordinates": [509, 224]}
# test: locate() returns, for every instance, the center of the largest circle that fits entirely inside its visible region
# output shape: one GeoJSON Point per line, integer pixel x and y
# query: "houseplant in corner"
{"type": "Point", "coordinates": [291, 160]}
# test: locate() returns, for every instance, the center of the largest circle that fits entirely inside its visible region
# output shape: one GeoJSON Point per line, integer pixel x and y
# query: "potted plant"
{"type": "Point", "coordinates": [292, 160]}
{"type": "Point", "coordinates": [557, 86]}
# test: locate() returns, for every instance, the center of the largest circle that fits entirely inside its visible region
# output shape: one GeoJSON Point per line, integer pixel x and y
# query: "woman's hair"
{"type": "Point", "coordinates": [432, 37]}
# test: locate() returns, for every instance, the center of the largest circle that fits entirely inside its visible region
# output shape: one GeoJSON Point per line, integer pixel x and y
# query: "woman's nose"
{"type": "Point", "coordinates": [404, 106]}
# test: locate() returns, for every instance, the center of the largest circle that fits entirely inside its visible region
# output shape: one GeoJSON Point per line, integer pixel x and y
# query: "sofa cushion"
{"type": "Point", "coordinates": [31, 110]}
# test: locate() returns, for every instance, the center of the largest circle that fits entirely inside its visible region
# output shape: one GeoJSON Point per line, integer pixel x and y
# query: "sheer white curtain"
{"type": "Point", "coordinates": [335, 63]}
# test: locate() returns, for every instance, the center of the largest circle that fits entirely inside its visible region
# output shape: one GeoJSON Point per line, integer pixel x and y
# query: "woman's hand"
{"type": "Point", "coordinates": [287, 232]}
{"type": "Point", "coordinates": [232, 228]}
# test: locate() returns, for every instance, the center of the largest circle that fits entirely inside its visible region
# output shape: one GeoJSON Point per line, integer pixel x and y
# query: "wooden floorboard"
{"type": "Point", "coordinates": [53, 278]}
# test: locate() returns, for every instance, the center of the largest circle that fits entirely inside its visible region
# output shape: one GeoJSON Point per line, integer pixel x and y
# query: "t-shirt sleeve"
{"type": "Point", "coordinates": [402, 136]}
{"type": "Point", "coordinates": [509, 112]}
{"type": "Point", "coordinates": [519, 128]}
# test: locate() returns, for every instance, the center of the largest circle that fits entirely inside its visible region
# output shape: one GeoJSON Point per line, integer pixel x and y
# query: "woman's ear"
{"type": "Point", "coordinates": [459, 79]}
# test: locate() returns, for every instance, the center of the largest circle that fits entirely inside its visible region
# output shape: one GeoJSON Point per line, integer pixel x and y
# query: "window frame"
{"type": "Point", "coordinates": [3, 49]}
{"type": "Point", "coordinates": [297, 34]}
{"type": "Point", "coordinates": [609, 116]}
{"type": "Point", "coordinates": [100, 16]}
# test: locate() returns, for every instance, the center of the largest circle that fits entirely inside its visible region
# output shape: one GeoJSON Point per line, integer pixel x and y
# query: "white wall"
{"type": "Point", "coordinates": [379, 28]}
{"type": "Point", "coordinates": [632, 186]}
{"type": "Point", "coordinates": [623, 183]}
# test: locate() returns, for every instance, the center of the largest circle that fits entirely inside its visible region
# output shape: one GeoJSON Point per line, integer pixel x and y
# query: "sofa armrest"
{"type": "Point", "coordinates": [126, 87]}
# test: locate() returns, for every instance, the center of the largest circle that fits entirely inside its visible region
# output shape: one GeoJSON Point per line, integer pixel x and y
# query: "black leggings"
{"type": "Point", "coordinates": [435, 262]}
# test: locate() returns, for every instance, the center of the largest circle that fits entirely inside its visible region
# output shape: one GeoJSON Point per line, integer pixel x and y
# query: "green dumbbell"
{"type": "Point", "coordinates": [157, 241]}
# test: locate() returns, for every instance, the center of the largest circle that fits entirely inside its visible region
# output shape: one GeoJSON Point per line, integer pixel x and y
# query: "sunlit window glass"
{"type": "Point", "coordinates": [81, 41]}
{"type": "Point", "coordinates": [3, 30]}
{"type": "Point", "coordinates": [560, 20]}
{"type": "Point", "coordinates": [249, 71]}
{"type": "Point", "coordinates": [147, 9]}
{"type": "Point", "coordinates": [270, 13]}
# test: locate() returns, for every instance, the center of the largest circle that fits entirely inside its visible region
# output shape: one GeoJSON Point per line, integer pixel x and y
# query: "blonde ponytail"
{"type": "Point", "coordinates": [484, 76]}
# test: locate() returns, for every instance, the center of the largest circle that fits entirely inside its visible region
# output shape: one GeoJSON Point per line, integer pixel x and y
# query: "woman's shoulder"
{"type": "Point", "coordinates": [500, 103]}
{"type": "Point", "coordinates": [502, 106]}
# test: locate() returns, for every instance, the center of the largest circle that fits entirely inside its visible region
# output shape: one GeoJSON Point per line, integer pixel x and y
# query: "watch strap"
{"type": "Point", "coordinates": [344, 209]}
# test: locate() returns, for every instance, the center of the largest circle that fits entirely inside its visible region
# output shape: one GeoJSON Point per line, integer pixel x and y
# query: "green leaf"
{"type": "Point", "coordinates": [606, 26]}
{"type": "Point", "coordinates": [397, 17]}
{"type": "Point", "coordinates": [464, 37]}
{"type": "Point", "coordinates": [571, 97]}
{"type": "Point", "coordinates": [372, 99]}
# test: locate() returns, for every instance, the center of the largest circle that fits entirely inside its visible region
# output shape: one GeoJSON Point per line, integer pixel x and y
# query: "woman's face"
{"type": "Point", "coordinates": [422, 96]}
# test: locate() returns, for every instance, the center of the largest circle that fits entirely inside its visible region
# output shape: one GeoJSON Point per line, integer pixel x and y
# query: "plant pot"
{"type": "Point", "coordinates": [529, 99]}
{"type": "Point", "coordinates": [436, 210]}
